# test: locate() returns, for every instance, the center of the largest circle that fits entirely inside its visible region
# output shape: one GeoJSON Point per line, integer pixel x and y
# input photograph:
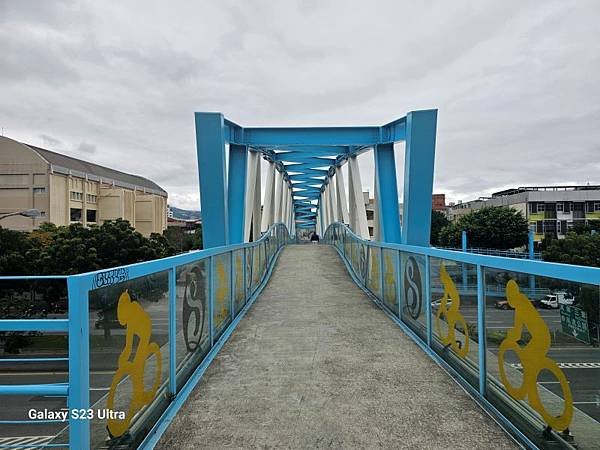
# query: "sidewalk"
{"type": "Point", "coordinates": [316, 364]}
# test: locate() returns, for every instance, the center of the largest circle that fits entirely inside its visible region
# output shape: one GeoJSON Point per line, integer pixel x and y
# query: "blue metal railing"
{"type": "Point", "coordinates": [426, 291]}
{"type": "Point", "coordinates": [494, 252]}
{"type": "Point", "coordinates": [223, 280]}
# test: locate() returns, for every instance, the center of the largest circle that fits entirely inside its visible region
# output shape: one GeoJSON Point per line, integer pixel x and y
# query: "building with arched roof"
{"type": "Point", "coordinates": [69, 190]}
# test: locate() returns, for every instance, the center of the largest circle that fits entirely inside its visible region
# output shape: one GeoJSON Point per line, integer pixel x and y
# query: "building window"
{"type": "Point", "coordinates": [39, 190]}
{"type": "Point", "coordinates": [369, 215]}
{"type": "Point", "coordinates": [90, 215]}
{"type": "Point", "coordinates": [75, 214]}
{"type": "Point", "coordinates": [541, 207]}
{"type": "Point", "coordinates": [532, 207]}
{"type": "Point", "coordinates": [539, 227]}
{"type": "Point", "coordinates": [559, 207]}
{"type": "Point", "coordinates": [77, 196]}
{"type": "Point", "coordinates": [90, 198]}
{"type": "Point", "coordinates": [596, 206]}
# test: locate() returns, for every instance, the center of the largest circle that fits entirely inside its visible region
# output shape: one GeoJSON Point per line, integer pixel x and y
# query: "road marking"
{"type": "Point", "coordinates": [25, 441]}
{"type": "Point", "coordinates": [586, 403]}
{"type": "Point", "coordinates": [568, 365]}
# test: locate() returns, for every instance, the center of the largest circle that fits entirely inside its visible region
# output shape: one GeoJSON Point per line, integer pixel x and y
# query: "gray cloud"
{"type": "Point", "coordinates": [86, 148]}
{"type": "Point", "coordinates": [515, 82]}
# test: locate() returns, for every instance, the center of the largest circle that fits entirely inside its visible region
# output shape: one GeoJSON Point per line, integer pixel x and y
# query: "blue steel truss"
{"type": "Point", "coordinates": [307, 157]}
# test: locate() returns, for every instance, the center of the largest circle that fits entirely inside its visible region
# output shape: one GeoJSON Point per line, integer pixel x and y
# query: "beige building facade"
{"type": "Point", "coordinates": [67, 190]}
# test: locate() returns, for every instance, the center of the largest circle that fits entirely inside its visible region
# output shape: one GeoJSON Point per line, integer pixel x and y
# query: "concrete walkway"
{"type": "Point", "coordinates": [315, 364]}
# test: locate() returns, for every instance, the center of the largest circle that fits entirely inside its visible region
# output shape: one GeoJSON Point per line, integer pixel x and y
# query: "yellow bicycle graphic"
{"type": "Point", "coordinates": [533, 358]}
{"type": "Point", "coordinates": [138, 323]}
{"type": "Point", "coordinates": [449, 311]}
{"type": "Point", "coordinates": [221, 294]}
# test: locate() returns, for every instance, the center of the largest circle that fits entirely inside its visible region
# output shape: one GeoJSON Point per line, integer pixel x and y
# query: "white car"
{"type": "Point", "coordinates": [552, 301]}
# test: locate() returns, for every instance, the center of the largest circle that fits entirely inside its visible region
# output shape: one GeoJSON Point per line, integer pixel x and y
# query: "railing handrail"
{"type": "Point", "coordinates": [569, 272]}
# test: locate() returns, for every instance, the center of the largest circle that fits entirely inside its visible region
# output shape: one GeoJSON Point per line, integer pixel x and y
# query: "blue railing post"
{"type": "Point", "coordinates": [232, 275]}
{"type": "Point", "coordinates": [530, 248]}
{"type": "Point", "coordinates": [381, 275]}
{"type": "Point", "coordinates": [481, 332]}
{"type": "Point", "coordinates": [245, 270]}
{"type": "Point", "coordinates": [79, 362]}
{"type": "Point", "coordinates": [211, 300]}
{"type": "Point", "coordinates": [398, 283]}
{"type": "Point", "coordinates": [464, 266]}
{"type": "Point", "coordinates": [428, 299]}
{"type": "Point", "coordinates": [172, 331]}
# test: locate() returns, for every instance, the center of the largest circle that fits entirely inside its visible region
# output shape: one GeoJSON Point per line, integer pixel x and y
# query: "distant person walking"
{"type": "Point", "coordinates": [314, 238]}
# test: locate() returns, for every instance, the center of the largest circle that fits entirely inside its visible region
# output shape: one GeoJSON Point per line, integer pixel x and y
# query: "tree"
{"type": "Point", "coordinates": [183, 241]}
{"type": "Point", "coordinates": [494, 227]}
{"type": "Point", "coordinates": [438, 222]}
{"type": "Point", "coordinates": [579, 249]}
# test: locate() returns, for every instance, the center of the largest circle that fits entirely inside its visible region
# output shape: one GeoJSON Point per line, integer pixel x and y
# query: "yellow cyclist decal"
{"type": "Point", "coordinates": [138, 323]}
{"type": "Point", "coordinates": [533, 358]}
{"type": "Point", "coordinates": [374, 278]}
{"type": "Point", "coordinates": [222, 289]}
{"type": "Point", "coordinates": [239, 276]}
{"type": "Point", "coordinates": [449, 311]}
{"type": "Point", "coordinates": [389, 279]}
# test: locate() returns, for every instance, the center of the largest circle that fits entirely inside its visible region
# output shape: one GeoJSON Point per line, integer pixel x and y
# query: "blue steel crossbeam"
{"type": "Point", "coordinates": [303, 163]}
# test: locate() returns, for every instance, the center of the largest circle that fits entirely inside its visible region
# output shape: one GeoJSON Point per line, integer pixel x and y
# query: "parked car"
{"type": "Point", "coordinates": [502, 304]}
{"type": "Point", "coordinates": [435, 304]}
{"type": "Point", "coordinates": [552, 301]}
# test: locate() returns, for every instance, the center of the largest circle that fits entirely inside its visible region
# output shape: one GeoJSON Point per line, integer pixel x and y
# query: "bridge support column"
{"type": "Point", "coordinates": [210, 143]}
{"type": "Point", "coordinates": [418, 177]}
{"type": "Point", "coordinates": [277, 186]}
{"type": "Point", "coordinates": [251, 186]}
{"type": "Point", "coordinates": [288, 206]}
{"type": "Point", "coordinates": [386, 193]}
{"type": "Point", "coordinates": [342, 203]}
{"type": "Point", "coordinates": [357, 213]}
{"type": "Point", "coordinates": [236, 192]}
{"type": "Point", "coordinates": [268, 203]}
{"type": "Point", "coordinates": [331, 202]}
{"type": "Point", "coordinates": [320, 216]}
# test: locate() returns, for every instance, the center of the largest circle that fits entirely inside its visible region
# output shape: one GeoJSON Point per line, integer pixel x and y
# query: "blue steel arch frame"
{"type": "Point", "coordinates": [307, 157]}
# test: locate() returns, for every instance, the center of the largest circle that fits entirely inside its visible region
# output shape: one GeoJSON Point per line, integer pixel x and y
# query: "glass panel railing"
{"type": "Point", "coordinates": [543, 359]}
{"type": "Point", "coordinates": [191, 320]}
{"type": "Point", "coordinates": [454, 315]}
{"type": "Point", "coordinates": [390, 286]}
{"type": "Point", "coordinates": [374, 271]}
{"type": "Point", "coordinates": [412, 292]}
{"type": "Point", "coordinates": [222, 293]}
{"type": "Point", "coordinates": [238, 283]}
{"type": "Point", "coordinates": [129, 358]}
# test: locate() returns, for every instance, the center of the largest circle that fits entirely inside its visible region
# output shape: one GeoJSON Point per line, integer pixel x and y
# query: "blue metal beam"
{"type": "Point", "coordinates": [210, 142]}
{"type": "Point", "coordinates": [418, 177]}
{"type": "Point", "coordinates": [343, 136]}
{"type": "Point", "coordinates": [386, 193]}
{"type": "Point", "coordinates": [236, 192]}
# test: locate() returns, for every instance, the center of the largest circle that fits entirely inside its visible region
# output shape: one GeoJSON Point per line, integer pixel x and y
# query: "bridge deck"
{"type": "Point", "coordinates": [316, 364]}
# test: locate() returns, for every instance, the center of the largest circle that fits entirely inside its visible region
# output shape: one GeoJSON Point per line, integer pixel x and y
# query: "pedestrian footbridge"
{"type": "Point", "coordinates": [315, 363]}
{"type": "Point", "coordinates": [265, 340]}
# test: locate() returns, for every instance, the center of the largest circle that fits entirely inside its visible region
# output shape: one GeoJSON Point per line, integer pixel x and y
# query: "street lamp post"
{"type": "Point", "coordinates": [32, 213]}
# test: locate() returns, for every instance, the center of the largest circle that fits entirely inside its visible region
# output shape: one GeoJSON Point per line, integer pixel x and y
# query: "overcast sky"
{"type": "Point", "coordinates": [516, 83]}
